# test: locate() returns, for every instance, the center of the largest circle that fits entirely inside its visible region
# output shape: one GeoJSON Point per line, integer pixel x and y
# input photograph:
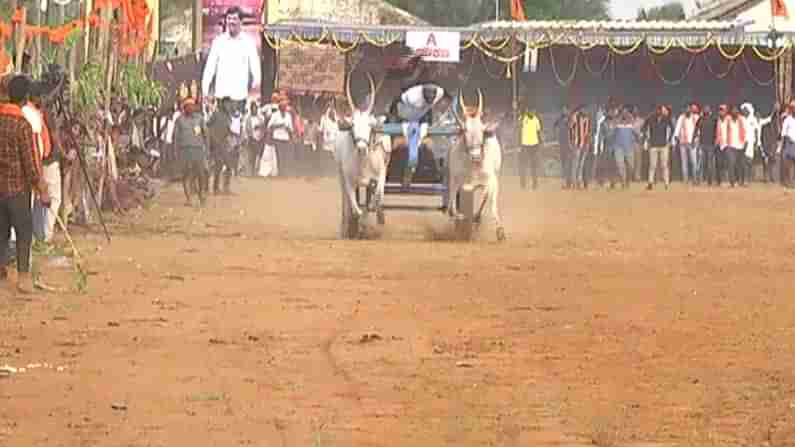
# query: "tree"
{"type": "Point", "coordinates": [669, 11]}
{"type": "Point", "coordinates": [467, 12]}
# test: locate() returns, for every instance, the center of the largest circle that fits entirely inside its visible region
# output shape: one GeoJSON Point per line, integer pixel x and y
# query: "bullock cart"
{"type": "Point", "coordinates": [430, 180]}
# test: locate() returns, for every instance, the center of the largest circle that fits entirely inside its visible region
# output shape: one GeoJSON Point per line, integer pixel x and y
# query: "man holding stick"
{"type": "Point", "coordinates": [20, 175]}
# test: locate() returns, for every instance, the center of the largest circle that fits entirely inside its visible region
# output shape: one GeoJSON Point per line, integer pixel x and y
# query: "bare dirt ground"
{"type": "Point", "coordinates": [609, 318]}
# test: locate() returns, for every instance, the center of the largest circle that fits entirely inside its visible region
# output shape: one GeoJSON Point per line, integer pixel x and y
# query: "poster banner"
{"type": "Point", "coordinates": [304, 68]}
{"type": "Point", "coordinates": [435, 46]}
{"type": "Point", "coordinates": [213, 24]}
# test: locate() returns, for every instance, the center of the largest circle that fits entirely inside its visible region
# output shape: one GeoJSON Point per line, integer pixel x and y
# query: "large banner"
{"type": "Point", "coordinates": [213, 23]}
{"type": "Point", "coordinates": [304, 68]}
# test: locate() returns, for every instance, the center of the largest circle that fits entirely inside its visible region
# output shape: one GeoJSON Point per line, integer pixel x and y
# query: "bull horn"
{"type": "Point", "coordinates": [371, 81]}
{"type": "Point", "coordinates": [455, 106]}
{"type": "Point", "coordinates": [348, 94]}
{"type": "Point", "coordinates": [480, 103]}
{"type": "Point", "coordinates": [461, 100]}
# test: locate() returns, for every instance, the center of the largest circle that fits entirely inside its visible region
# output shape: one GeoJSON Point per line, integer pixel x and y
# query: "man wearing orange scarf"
{"type": "Point", "coordinates": [731, 141]}
{"type": "Point", "coordinates": [20, 175]}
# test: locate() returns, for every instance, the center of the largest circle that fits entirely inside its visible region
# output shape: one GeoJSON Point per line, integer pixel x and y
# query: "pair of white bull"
{"type": "Point", "coordinates": [362, 161]}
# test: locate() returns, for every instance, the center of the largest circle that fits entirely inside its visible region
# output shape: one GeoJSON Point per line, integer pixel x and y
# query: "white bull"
{"type": "Point", "coordinates": [362, 162]}
{"type": "Point", "coordinates": [475, 163]}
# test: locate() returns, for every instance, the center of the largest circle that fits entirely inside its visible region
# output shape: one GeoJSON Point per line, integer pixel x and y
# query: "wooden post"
{"type": "Point", "coordinates": [104, 30]}
{"type": "Point", "coordinates": [60, 20]}
{"type": "Point", "coordinates": [198, 25]}
{"type": "Point", "coordinates": [36, 54]}
{"type": "Point", "coordinates": [19, 42]}
{"type": "Point", "coordinates": [86, 13]}
{"type": "Point", "coordinates": [514, 81]}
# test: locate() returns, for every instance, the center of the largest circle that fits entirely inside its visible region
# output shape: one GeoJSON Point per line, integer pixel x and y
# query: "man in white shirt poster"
{"type": "Point", "coordinates": [233, 65]}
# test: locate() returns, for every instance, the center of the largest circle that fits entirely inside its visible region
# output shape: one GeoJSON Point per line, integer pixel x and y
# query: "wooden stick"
{"type": "Point", "coordinates": [20, 39]}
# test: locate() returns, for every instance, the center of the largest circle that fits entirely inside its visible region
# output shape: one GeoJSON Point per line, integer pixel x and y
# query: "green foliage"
{"type": "Point", "coordinates": [73, 38]}
{"type": "Point", "coordinates": [88, 92]}
{"type": "Point", "coordinates": [137, 88]}
{"type": "Point", "coordinates": [669, 11]}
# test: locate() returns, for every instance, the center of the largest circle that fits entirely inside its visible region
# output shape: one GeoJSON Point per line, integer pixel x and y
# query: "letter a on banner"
{"type": "Point", "coordinates": [431, 40]}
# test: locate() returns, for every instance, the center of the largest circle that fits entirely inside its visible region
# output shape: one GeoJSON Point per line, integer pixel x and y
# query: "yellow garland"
{"type": "Point", "coordinates": [376, 43]}
{"type": "Point", "coordinates": [584, 47]}
{"type": "Point", "coordinates": [664, 50]}
{"type": "Point", "coordinates": [490, 50]}
{"type": "Point", "coordinates": [471, 42]}
{"type": "Point", "coordinates": [775, 57]}
{"type": "Point", "coordinates": [272, 42]}
{"type": "Point", "coordinates": [316, 42]}
{"type": "Point", "coordinates": [497, 47]}
{"type": "Point", "coordinates": [728, 56]}
{"type": "Point", "coordinates": [627, 52]}
{"type": "Point", "coordinates": [706, 46]}
{"type": "Point", "coordinates": [341, 48]}
{"type": "Point", "coordinates": [497, 57]}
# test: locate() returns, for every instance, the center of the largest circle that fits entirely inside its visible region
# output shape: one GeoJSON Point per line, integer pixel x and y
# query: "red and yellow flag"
{"type": "Point", "coordinates": [779, 8]}
{"type": "Point", "coordinates": [517, 11]}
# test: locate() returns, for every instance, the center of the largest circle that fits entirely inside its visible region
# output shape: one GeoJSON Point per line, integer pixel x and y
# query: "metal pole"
{"type": "Point", "coordinates": [496, 10]}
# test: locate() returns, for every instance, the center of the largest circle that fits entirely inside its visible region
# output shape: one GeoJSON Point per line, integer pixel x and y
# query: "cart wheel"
{"type": "Point", "coordinates": [465, 224]}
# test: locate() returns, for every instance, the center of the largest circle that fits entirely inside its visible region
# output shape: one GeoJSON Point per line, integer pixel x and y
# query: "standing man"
{"type": "Point", "coordinates": [255, 141]}
{"type": "Point", "coordinates": [190, 137]}
{"type": "Point", "coordinates": [658, 130]}
{"type": "Point", "coordinates": [624, 138]}
{"type": "Point", "coordinates": [788, 143]}
{"type": "Point", "coordinates": [233, 63]}
{"type": "Point", "coordinates": [20, 175]}
{"type": "Point", "coordinates": [280, 127]}
{"type": "Point", "coordinates": [731, 140]}
{"type": "Point", "coordinates": [753, 138]}
{"type": "Point", "coordinates": [566, 159]}
{"type": "Point", "coordinates": [531, 141]}
{"type": "Point", "coordinates": [637, 123]}
{"type": "Point", "coordinates": [684, 137]}
{"type": "Point", "coordinates": [770, 130]}
{"type": "Point", "coordinates": [580, 137]}
{"type": "Point", "coordinates": [709, 152]}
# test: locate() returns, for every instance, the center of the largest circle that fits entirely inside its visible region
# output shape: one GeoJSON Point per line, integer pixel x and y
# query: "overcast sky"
{"type": "Point", "coordinates": [628, 9]}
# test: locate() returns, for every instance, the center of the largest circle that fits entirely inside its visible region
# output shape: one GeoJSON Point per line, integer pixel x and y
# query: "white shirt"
{"type": "Point", "coordinates": [36, 122]}
{"type": "Point", "coordinates": [688, 125]}
{"type": "Point", "coordinates": [232, 62]}
{"type": "Point", "coordinates": [788, 129]}
{"type": "Point", "coordinates": [169, 135]}
{"type": "Point", "coordinates": [282, 122]}
{"type": "Point", "coordinates": [329, 128]}
{"type": "Point", "coordinates": [752, 129]}
{"type": "Point", "coordinates": [414, 97]}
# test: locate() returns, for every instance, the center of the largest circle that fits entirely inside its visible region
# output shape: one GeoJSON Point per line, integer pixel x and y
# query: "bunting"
{"type": "Point", "coordinates": [135, 25]}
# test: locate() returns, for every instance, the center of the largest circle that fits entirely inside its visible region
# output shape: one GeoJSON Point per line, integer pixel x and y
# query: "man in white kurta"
{"type": "Point", "coordinates": [233, 63]}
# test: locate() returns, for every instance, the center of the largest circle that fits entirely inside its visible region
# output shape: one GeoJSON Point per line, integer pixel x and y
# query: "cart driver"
{"type": "Point", "coordinates": [413, 109]}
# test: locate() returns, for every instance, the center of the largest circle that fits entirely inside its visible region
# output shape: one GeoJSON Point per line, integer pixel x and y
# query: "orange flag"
{"type": "Point", "coordinates": [517, 11]}
{"type": "Point", "coordinates": [779, 8]}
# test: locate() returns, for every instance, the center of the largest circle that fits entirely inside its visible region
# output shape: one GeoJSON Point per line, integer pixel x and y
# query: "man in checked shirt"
{"type": "Point", "coordinates": [20, 175]}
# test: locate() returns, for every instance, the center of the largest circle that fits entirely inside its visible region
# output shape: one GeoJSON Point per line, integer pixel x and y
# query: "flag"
{"type": "Point", "coordinates": [517, 11]}
{"type": "Point", "coordinates": [779, 8]}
